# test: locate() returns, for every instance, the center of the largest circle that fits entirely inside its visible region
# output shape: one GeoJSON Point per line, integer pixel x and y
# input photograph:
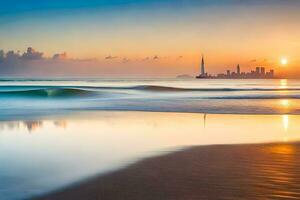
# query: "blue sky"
{"type": "Point", "coordinates": [15, 6]}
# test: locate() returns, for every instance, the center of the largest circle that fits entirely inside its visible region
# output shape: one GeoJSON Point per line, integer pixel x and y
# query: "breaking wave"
{"type": "Point", "coordinates": [48, 92]}
{"type": "Point", "coordinates": [194, 93]}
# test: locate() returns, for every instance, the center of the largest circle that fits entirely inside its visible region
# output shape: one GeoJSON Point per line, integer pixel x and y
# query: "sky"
{"type": "Point", "coordinates": [144, 38]}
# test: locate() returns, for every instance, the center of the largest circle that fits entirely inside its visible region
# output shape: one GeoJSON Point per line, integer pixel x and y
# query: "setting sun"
{"type": "Point", "coordinates": [283, 61]}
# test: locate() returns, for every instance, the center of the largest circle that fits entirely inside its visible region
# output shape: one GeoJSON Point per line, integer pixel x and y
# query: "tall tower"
{"type": "Point", "coordinates": [262, 70]}
{"type": "Point", "coordinates": [202, 67]}
{"type": "Point", "coordinates": [238, 69]}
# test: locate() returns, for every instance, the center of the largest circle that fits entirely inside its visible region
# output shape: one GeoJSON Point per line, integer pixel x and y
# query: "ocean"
{"type": "Point", "coordinates": [40, 97]}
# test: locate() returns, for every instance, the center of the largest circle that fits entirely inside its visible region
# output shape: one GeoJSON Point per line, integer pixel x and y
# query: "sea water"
{"type": "Point", "coordinates": [39, 97]}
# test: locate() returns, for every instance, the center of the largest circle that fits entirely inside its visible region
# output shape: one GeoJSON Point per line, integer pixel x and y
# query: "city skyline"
{"type": "Point", "coordinates": [258, 73]}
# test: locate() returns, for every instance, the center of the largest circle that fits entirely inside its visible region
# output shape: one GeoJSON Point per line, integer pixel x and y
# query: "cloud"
{"type": "Point", "coordinates": [11, 55]}
{"type": "Point", "coordinates": [179, 57]}
{"type": "Point", "coordinates": [60, 56]}
{"type": "Point", "coordinates": [2, 55]}
{"type": "Point", "coordinates": [31, 54]}
{"type": "Point", "coordinates": [125, 60]}
{"type": "Point", "coordinates": [265, 60]}
{"type": "Point", "coordinates": [10, 62]}
{"type": "Point", "coordinates": [145, 59]}
{"type": "Point", "coordinates": [12, 58]}
{"type": "Point", "coordinates": [110, 57]}
{"type": "Point", "coordinates": [32, 63]}
{"type": "Point", "coordinates": [151, 58]}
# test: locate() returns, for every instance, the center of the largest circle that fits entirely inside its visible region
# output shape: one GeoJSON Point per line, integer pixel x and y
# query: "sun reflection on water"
{"type": "Point", "coordinates": [283, 149]}
{"type": "Point", "coordinates": [285, 122]}
{"type": "Point", "coordinates": [285, 103]}
{"type": "Point", "coordinates": [283, 83]}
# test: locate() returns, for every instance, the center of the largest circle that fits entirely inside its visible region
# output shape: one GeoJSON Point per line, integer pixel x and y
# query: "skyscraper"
{"type": "Point", "coordinates": [238, 69]}
{"type": "Point", "coordinates": [202, 67]}
{"type": "Point", "coordinates": [257, 70]}
{"type": "Point", "coordinates": [262, 70]}
{"type": "Point", "coordinates": [202, 74]}
{"type": "Point", "coordinates": [228, 72]}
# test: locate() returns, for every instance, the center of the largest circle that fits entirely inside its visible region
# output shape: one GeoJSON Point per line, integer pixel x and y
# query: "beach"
{"type": "Point", "coordinates": [134, 154]}
{"type": "Point", "coordinates": [178, 139]}
{"type": "Point", "coordinates": [257, 171]}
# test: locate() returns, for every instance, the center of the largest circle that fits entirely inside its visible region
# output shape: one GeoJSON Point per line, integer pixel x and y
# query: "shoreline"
{"type": "Point", "coordinates": [200, 172]}
{"type": "Point", "coordinates": [68, 112]}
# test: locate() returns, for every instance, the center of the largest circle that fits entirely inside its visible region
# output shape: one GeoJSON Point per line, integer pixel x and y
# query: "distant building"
{"type": "Point", "coordinates": [262, 71]}
{"type": "Point", "coordinates": [202, 74]}
{"type": "Point", "coordinates": [257, 69]}
{"type": "Point", "coordinates": [202, 66]}
{"type": "Point", "coordinates": [238, 69]}
{"type": "Point", "coordinates": [228, 72]}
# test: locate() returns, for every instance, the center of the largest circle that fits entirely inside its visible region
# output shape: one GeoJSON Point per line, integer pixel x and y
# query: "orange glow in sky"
{"type": "Point", "coordinates": [159, 40]}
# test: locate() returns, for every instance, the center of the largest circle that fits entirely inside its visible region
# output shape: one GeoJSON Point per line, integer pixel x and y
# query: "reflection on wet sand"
{"type": "Point", "coordinates": [107, 141]}
{"type": "Point", "coordinates": [9, 125]}
{"type": "Point", "coordinates": [214, 124]}
{"type": "Point", "coordinates": [32, 125]}
{"type": "Point", "coordinates": [60, 123]}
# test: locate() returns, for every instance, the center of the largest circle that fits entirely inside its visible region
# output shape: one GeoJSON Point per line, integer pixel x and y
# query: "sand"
{"type": "Point", "coordinates": [260, 171]}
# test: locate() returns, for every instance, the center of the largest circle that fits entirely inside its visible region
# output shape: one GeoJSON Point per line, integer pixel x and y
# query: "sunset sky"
{"type": "Point", "coordinates": [144, 38]}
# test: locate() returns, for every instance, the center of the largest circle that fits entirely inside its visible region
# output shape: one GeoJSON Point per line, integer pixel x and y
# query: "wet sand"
{"type": "Point", "coordinates": [259, 171]}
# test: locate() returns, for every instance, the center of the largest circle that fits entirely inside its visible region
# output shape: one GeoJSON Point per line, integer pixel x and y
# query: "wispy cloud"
{"type": "Point", "coordinates": [111, 57]}
{"type": "Point", "coordinates": [60, 56]}
{"type": "Point", "coordinates": [145, 59]}
{"type": "Point", "coordinates": [179, 57]}
{"type": "Point", "coordinates": [156, 57]}
{"type": "Point", "coordinates": [125, 60]}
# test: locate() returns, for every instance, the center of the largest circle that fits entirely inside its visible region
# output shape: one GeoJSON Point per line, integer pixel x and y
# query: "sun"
{"type": "Point", "coordinates": [284, 61]}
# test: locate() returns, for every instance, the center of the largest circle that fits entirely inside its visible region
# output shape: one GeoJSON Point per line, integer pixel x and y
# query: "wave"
{"type": "Point", "coordinates": [158, 88]}
{"type": "Point", "coordinates": [166, 88]}
{"type": "Point", "coordinates": [48, 92]}
{"type": "Point", "coordinates": [179, 89]}
{"type": "Point", "coordinates": [154, 88]}
{"type": "Point", "coordinates": [252, 97]}
{"type": "Point", "coordinates": [83, 91]}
